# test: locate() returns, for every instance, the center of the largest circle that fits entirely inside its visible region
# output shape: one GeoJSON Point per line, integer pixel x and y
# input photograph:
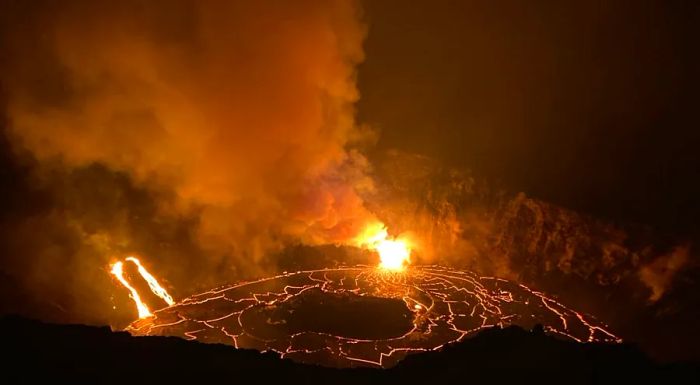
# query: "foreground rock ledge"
{"type": "Point", "coordinates": [36, 351]}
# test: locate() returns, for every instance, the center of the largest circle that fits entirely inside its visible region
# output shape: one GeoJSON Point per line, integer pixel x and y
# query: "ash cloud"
{"type": "Point", "coordinates": [232, 121]}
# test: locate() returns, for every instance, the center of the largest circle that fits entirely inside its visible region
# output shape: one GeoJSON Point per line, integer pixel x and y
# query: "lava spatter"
{"type": "Point", "coordinates": [364, 316]}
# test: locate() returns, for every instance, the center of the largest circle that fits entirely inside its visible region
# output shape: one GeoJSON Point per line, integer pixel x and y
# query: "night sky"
{"type": "Point", "coordinates": [589, 104]}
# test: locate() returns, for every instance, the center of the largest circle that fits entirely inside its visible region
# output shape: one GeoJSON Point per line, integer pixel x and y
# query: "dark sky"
{"type": "Point", "coordinates": [589, 104]}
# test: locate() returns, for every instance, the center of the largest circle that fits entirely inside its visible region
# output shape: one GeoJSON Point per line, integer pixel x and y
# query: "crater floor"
{"type": "Point", "coordinates": [364, 316]}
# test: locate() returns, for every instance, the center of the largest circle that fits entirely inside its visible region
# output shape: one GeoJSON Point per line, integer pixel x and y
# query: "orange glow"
{"type": "Point", "coordinates": [156, 288]}
{"type": "Point", "coordinates": [394, 253]}
{"type": "Point", "coordinates": [118, 271]}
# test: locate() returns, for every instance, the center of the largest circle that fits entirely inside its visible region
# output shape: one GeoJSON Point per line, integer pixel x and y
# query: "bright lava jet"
{"type": "Point", "coordinates": [394, 254]}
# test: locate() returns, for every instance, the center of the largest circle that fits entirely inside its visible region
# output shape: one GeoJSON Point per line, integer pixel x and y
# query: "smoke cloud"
{"type": "Point", "coordinates": [658, 275]}
{"type": "Point", "coordinates": [233, 119]}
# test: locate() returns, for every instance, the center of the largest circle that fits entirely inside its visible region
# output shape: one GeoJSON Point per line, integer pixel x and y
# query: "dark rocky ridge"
{"type": "Point", "coordinates": [641, 280]}
{"type": "Point", "coordinates": [37, 351]}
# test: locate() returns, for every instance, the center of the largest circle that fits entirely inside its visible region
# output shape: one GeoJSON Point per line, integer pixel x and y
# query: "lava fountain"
{"type": "Point", "coordinates": [394, 253]}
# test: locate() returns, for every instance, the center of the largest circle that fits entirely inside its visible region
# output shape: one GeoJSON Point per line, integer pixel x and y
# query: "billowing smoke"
{"type": "Point", "coordinates": [232, 122]}
{"type": "Point", "coordinates": [658, 275]}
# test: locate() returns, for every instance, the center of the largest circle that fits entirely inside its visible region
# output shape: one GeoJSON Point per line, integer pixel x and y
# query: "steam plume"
{"type": "Point", "coordinates": [238, 113]}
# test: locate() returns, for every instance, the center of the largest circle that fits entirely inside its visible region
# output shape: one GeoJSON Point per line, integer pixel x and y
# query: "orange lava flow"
{"type": "Point", "coordinates": [118, 271]}
{"type": "Point", "coordinates": [156, 288]}
{"type": "Point", "coordinates": [445, 305]}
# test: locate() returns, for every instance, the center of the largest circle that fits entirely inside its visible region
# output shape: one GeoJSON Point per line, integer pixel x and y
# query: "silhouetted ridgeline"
{"type": "Point", "coordinates": [82, 354]}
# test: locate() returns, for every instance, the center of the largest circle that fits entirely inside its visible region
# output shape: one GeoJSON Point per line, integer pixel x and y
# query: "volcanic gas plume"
{"type": "Point", "coordinates": [233, 120]}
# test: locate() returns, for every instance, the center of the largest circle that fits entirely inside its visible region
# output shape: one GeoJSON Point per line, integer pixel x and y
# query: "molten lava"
{"type": "Point", "coordinates": [360, 316]}
{"type": "Point", "coordinates": [156, 288]}
{"type": "Point", "coordinates": [118, 271]}
{"type": "Point", "coordinates": [394, 253]}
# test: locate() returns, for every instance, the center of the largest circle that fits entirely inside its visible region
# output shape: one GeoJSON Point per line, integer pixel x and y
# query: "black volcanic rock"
{"type": "Point", "coordinates": [36, 352]}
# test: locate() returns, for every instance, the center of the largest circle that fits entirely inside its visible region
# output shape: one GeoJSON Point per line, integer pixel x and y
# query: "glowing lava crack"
{"type": "Point", "coordinates": [363, 316]}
